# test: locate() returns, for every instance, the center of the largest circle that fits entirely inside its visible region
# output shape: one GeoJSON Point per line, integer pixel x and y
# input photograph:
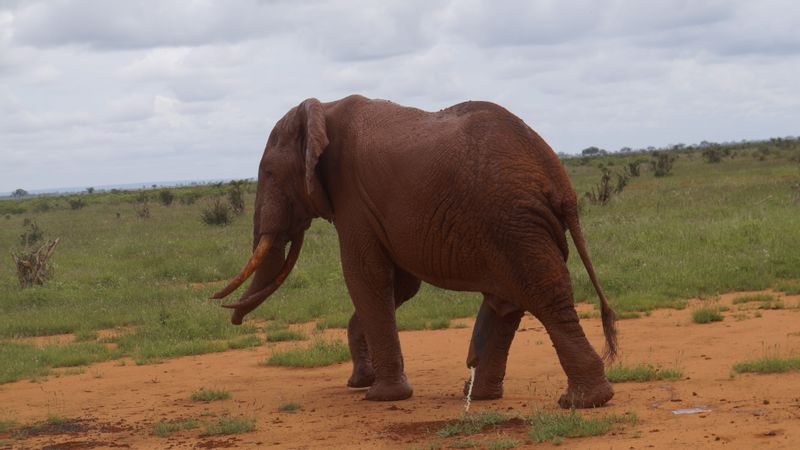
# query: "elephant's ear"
{"type": "Point", "coordinates": [316, 139]}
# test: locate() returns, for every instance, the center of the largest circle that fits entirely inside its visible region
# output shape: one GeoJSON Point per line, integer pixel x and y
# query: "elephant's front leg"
{"type": "Point", "coordinates": [369, 275]}
{"type": "Point", "coordinates": [405, 287]}
{"type": "Point", "coordinates": [492, 334]}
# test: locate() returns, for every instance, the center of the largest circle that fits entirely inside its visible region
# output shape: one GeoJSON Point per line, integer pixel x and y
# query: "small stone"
{"type": "Point", "coordinates": [766, 402]}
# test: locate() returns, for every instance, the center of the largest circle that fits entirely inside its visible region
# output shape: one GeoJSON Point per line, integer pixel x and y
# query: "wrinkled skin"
{"type": "Point", "coordinates": [468, 198]}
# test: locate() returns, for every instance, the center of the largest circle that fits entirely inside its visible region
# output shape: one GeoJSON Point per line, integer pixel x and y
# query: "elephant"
{"type": "Point", "coordinates": [468, 198]}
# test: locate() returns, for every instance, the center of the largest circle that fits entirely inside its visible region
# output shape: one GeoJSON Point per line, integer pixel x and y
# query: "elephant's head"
{"type": "Point", "coordinates": [289, 195]}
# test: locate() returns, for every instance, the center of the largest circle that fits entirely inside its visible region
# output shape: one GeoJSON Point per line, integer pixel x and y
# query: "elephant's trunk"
{"type": "Point", "coordinates": [262, 287]}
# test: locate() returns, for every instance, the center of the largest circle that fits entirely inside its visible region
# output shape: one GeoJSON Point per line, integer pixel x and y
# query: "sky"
{"type": "Point", "coordinates": [96, 92]}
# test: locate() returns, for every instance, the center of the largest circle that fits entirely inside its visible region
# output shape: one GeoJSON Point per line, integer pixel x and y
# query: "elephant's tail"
{"type": "Point", "coordinates": [606, 313]}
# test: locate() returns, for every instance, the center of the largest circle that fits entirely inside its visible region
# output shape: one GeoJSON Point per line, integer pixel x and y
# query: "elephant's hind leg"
{"type": "Point", "coordinates": [492, 334]}
{"type": "Point", "coordinates": [406, 286]}
{"type": "Point", "coordinates": [587, 386]}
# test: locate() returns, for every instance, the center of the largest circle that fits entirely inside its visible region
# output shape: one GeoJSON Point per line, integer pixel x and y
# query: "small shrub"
{"type": "Point", "coordinates": [662, 163]}
{"type": "Point", "coordinates": [236, 196]}
{"type": "Point", "coordinates": [285, 335]}
{"type": "Point", "coordinates": [706, 315]}
{"type": "Point", "coordinates": [32, 234]}
{"type": "Point", "coordinates": [166, 197]}
{"type": "Point", "coordinates": [640, 373]}
{"type": "Point", "coordinates": [229, 425]}
{"type": "Point", "coordinates": [142, 210]}
{"type": "Point", "coordinates": [634, 168]}
{"type": "Point", "coordinates": [761, 154]}
{"type": "Point", "coordinates": [501, 444]}
{"type": "Point", "coordinates": [209, 395]}
{"type": "Point", "coordinates": [320, 353]}
{"type": "Point", "coordinates": [764, 298]}
{"type": "Point", "coordinates": [768, 365]}
{"type": "Point", "coordinates": [289, 407]}
{"type": "Point", "coordinates": [189, 198]}
{"type": "Point", "coordinates": [472, 423]}
{"type": "Point", "coordinates": [712, 155]}
{"type": "Point", "coordinates": [164, 429]}
{"type": "Point", "coordinates": [601, 194]}
{"type": "Point", "coordinates": [217, 213]}
{"type": "Point", "coordinates": [76, 203]}
{"type": "Point", "coordinates": [42, 206]}
{"type": "Point", "coordinates": [556, 426]}
{"type": "Point", "coordinates": [795, 187]}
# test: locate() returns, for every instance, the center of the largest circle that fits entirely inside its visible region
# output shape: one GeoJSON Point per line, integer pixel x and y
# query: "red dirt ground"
{"type": "Point", "coordinates": [115, 406]}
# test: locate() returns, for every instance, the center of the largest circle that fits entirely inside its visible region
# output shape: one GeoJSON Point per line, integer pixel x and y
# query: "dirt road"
{"type": "Point", "coordinates": [115, 406]}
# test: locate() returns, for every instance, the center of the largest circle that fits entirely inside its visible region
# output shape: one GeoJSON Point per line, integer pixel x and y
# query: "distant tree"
{"type": "Point", "coordinates": [19, 193]}
{"type": "Point", "coordinates": [625, 150]}
{"type": "Point", "coordinates": [590, 151]}
{"type": "Point", "coordinates": [90, 190]}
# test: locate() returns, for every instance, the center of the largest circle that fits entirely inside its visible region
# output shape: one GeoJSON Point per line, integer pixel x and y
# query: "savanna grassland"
{"type": "Point", "coordinates": [703, 229]}
{"type": "Point", "coordinates": [133, 272]}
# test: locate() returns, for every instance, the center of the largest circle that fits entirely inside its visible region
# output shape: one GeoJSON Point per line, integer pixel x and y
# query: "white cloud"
{"type": "Point", "coordinates": [115, 92]}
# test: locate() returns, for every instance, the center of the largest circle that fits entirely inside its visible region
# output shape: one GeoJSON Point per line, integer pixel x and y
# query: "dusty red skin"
{"type": "Point", "coordinates": [468, 198]}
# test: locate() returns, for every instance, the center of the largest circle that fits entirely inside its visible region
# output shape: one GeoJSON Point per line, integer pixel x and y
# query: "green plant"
{"type": "Point", "coordinates": [661, 163]}
{"type": "Point", "coordinates": [76, 203]}
{"type": "Point", "coordinates": [618, 373]}
{"type": "Point", "coordinates": [209, 395]}
{"type": "Point", "coordinates": [236, 196]}
{"type": "Point", "coordinates": [166, 197]}
{"type": "Point", "coordinates": [706, 315]}
{"type": "Point", "coordinates": [763, 298]}
{"type": "Point", "coordinates": [472, 423]}
{"type": "Point", "coordinates": [229, 425]}
{"type": "Point", "coordinates": [501, 444]}
{"type": "Point", "coordinates": [32, 234]}
{"type": "Point", "coordinates": [319, 353]}
{"type": "Point", "coordinates": [216, 213]}
{"type": "Point", "coordinates": [601, 194]}
{"type": "Point", "coordinates": [768, 365]}
{"type": "Point", "coordinates": [555, 426]}
{"type": "Point", "coordinates": [285, 335]}
{"type": "Point", "coordinates": [712, 155]}
{"type": "Point", "coordinates": [164, 429]}
{"type": "Point", "coordinates": [289, 407]}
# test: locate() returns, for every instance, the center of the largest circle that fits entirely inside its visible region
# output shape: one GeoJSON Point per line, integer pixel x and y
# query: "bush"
{"type": "Point", "coordinates": [166, 197]}
{"type": "Point", "coordinates": [236, 196]}
{"type": "Point", "coordinates": [189, 198]}
{"type": "Point", "coordinates": [76, 203]}
{"type": "Point", "coordinates": [32, 233]}
{"type": "Point", "coordinates": [712, 155]}
{"type": "Point", "coordinates": [217, 213]}
{"type": "Point", "coordinates": [662, 163]}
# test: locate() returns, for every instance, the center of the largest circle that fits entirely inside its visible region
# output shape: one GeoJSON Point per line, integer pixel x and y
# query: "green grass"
{"type": "Point", "coordinates": [706, 315]}
{"type": "Point", "coordinates": [229, 425]}
{"type": "Point", "coordinates": [501, 444]}
{"type": "Point", "coordinates": [768, 365]}
{"type": "Point", "coordinates": [164, 429]}
{"type": "Point", "coordinates": [319, 353]}
{"type": "Point", "coordinates": [285, 335]}
{"type": "Point", "coordinates": [472, 423]}
{"type": "Point", "coordinates": [7, 426]}
{"type": "Point", "coordinates": [29, 361]}
{"type": "Point", "coordinates": [289, 407]}
{"type": "Point", "coordinates": [555, 426]}
{"type": "Point", "coordinates": [114, 269]}
{"type": "Point", "coordinates": [209, 395]}
{"type": "Point", "coordinates": [763, 298]}
{"type": "Point", "coordinates": [619, 373]}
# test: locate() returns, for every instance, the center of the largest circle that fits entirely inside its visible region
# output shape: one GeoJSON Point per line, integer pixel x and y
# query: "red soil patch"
{"type": "Point", "coordinates": [118, 405]}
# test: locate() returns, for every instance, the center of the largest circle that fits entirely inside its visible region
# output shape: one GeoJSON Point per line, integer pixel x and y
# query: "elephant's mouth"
{"type": "Point", "coordinates": [262, 286]}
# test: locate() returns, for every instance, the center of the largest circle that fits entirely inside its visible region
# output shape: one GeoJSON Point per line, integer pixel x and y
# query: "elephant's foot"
{"type": "Point", "coordinates": [389, 390]}
{"type": "Point", "coordinates": [360, 380]}
{"type": "Point", "coordinates": [586, 396]}
{"type": "Point", "coordinates": [484, 391]}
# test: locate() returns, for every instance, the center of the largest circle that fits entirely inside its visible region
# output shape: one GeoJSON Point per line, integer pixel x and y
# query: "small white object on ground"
{"type": "Point", "coordinates": [695, 410]}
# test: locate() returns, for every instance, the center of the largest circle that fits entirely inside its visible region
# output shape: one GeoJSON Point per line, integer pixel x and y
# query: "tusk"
{"type": "Point", "coordinates": [252, 301]}
{"type": "Point", "coordinates": [255, 260]}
